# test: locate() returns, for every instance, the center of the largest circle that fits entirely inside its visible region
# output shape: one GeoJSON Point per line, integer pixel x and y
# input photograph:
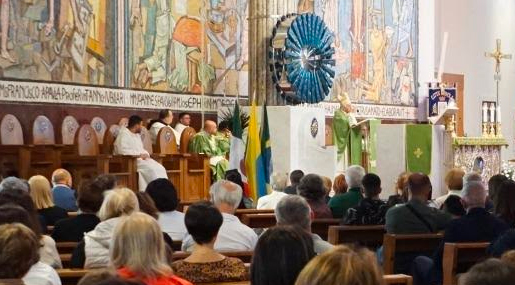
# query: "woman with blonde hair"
{"type": "Point", "coordinates": [454, 183]}
{"type": "Point", "coordinates": [139, 252]}
{"type": "Point", "coordinates": [41, 193]}
{"type": "Point", "coordinates": [93, 251]}
{"type": "Point", "coordinates": [342, 265]}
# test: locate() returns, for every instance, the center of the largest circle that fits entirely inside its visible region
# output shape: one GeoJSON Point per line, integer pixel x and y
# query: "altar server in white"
{"type": "Point", "coordinates": [164, 121]}
{"type": "Point", "coordinates": [128, 142]}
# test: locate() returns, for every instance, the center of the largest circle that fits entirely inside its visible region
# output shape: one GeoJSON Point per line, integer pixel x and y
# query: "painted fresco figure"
{"type": "Point", "coordinates": [403, 17]}
{"type": "Point", "coordinates": [357, 35]}
{"type": "Point", "coordinates": [4, 16]}
{"type": "Point", "coordinates": [154, 67]}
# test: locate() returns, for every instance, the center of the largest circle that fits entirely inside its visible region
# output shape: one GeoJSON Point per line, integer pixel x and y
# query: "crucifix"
{"type": "Point", "coordinates": [497, 55]}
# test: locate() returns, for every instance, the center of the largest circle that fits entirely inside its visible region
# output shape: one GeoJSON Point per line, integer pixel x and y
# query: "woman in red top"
{"type": "Point", "coordinates": [138, 252]}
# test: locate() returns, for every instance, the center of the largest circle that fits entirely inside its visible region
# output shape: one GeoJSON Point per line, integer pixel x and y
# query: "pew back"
{"type": "Point", "coordinates": [459, 257]}
{"type": "Point", "coordinates": [368, 236]}
{"type": "Point", "coordinates": [414, 244]}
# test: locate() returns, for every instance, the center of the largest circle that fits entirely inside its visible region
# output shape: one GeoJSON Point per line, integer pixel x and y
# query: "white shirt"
{"type": "Point", "coordinates": [157, 126]}
{"type": "Point", "coordinates": [48, 253]}
{"type": "Point", "coordinates": [233, 236]}
{"type": "Point", "coordinates": [440, 200]}
{"type": "Point", "coordinates": [41, 274]}
{"type": "Point", "coordinates": [270, 201]}
{"type": "Point", "coordinates": [172, 223]}
{"type": "Point", "coordinates": [179, 128]}
{"type": "Point", "coordinates": [128, 143]}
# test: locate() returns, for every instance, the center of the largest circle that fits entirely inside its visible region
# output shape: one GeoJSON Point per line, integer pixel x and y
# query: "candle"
{"type": "Point", "coordinates": [499, 114]}
{"type": "Point", "coordinates": [492, 113]}
{"type": "Point", "coordinates": [485, 113]}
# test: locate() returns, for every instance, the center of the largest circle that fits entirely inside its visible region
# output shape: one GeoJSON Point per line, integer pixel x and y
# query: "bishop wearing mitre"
{"type": "Point", "coordinates": [128, 142]}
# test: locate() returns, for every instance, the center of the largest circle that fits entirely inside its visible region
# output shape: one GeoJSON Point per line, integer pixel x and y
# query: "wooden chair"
{"type": "Point", "coordinates": [68, 129]}
{"type": "Point", "coordinates": [87, 160]}
{"type": "Point", "coordinates": [45, 154]}
{"type": "Point", "coordinates": [165, 142]}
{"type": "Point", "coordinates": [414, 244]}
{"type": "Point", "coordinates": [186, 136]}
{"type": "Point", "coordinates": [71, 276]}
{"type": "Point", "coordinates": [109, 138]}
{"type": "Point", "coordinates": [259, 221]}
{"type": "Point", "coordinates": [240, 212]}
{"type": "Point", "coordinates": [43, 131]}
{"type": "Point", "coordinates": [196, 177]}
{"type": "Point", "coordinates": [123, 122]}
{"type": "Point", "coordinates": [14, 156]}
{"type": "Point", "coordinates": [11, 132]}
{"type": "Point", "coordinates": [321, 226]}
{"type": "Point", "coordinates": [146, 140]}
{"type": "Point", "coordinates": [245, 256]}
{"type": "Point", "coordinates": [368, 236]}
{"type": "Point", "coordinates": [459, 257]}
{"type": "Point", "coordinates": [398, 279]}
{"type": "Point", "coordinates": [100, 128]}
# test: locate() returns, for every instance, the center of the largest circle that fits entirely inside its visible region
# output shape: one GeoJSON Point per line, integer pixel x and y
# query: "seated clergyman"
{"type": "Point", "coordinates": [214, 144]}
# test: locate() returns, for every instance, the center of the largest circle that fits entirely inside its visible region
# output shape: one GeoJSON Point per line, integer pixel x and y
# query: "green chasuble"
{"type": "Point", "coordinates": [341, 132]}
{"type": "Point", "coordinates": [214, 146]}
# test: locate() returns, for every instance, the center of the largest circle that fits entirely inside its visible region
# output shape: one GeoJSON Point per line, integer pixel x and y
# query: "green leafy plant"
{"type": "Point", "coordinates": [226, 117]}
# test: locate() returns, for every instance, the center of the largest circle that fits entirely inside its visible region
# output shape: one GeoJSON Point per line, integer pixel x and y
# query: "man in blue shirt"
{"type": "Point", "coordinates": [64, 195]}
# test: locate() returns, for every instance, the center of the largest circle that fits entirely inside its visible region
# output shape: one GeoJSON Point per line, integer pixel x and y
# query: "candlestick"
{"type": "Point", "coordinates": [492, 113]}
{"type": "Point", "coordinates": [485, 113]}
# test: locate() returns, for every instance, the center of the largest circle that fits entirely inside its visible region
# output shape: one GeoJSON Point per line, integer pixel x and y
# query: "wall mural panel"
{"type": "Point", "coordinates": [376, 49]}
{"type": "Point", "coordinates": [179, 46]}
{"type": "Point", "coordinates": [58, 40]}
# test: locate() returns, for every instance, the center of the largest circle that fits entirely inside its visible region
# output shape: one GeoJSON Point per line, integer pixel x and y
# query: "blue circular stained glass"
{"type": "Point", "coordinates": [302, 58]}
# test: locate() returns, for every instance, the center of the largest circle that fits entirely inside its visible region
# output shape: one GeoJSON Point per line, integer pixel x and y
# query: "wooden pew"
{"type": "Point", "coordinates": [407, 244]}
{"type": "Point", "coordinates": [459, 257]}
{"type": "Point", "coordinates": [66, 246]}
{"type": "Point", "coordinates": [245, 256]}
{"type": "Point", "coordinates": [71, 276]}
{"type": "Point", "coordinates": [240, 212]}
{"type": "Point", "coordinates": [321, 226]}
{"type": "Point", "coordinates": [397, 279]}
{"type": "Point", "coordinates": [66, 259]}
{"type": "Point", "coordinates": [259, 221]}
{"type": "Point", "coordinates": [368, 236]}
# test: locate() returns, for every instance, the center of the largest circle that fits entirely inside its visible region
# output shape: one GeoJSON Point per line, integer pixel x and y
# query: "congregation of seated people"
{"type": "Point", "coordinates": [125, 236]}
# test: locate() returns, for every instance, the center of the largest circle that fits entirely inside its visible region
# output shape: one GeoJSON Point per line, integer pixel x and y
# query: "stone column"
{"type": "Point", "coordinates": [263, 14]}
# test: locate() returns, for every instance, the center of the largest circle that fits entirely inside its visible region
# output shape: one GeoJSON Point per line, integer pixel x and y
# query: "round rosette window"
{"type": "Point", "coordinates": [301, 58]}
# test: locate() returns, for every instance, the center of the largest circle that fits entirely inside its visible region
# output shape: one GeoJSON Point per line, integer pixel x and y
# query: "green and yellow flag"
{"type": "Point", "coordinates": [418, 148]}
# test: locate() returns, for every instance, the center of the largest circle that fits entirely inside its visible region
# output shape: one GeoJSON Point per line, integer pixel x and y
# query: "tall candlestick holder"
{"type": "Point", "coordinates": [498, 132]}
{"type": "Point", "coordinates": [485, 129]}
{"type": "Point", "coordinates": [492, 130]}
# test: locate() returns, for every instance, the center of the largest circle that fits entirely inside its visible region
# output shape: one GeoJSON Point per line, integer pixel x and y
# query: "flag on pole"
{"type": "Point", "coordinates": [253, 158]}
{"type": "Point", "coordinates": [266, 149]}
{"type": "Point", "coordinates": [237, 152]}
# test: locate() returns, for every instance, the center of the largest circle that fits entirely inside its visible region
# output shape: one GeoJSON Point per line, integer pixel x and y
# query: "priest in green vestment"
{"type": "Point", "coordinates": [214, 144]}
{"type": "Point", "coordinates": [343, 122]}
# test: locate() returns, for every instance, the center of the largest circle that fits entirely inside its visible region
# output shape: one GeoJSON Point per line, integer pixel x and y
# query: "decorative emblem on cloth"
{"type": "Point", "coordinates": [314, 127]}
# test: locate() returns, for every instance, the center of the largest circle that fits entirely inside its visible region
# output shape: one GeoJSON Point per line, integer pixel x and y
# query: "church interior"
{"type": "Point", "coordinates": [257, 142]}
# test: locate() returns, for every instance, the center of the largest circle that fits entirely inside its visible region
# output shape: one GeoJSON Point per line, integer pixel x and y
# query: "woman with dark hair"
{"type": "Point", "coordinates": [48, 252]}
{"type": "Point", "coordinates": [504, 202]}
{"type": "Point", "coordinates": [147, 206]}
{"type": "Point", "coordinates": [19, 252]}
{"type": "Point", "coordinates": [205, 265]}
{"type": "Point", "coordinates": [493, 188]}
{"type": "Point", "coordinates": [72, 229]}
{"type": "Point", "coordinates": [164, 195]}
{"type": "Point", "coordinates": [39, 273]}
{"type": "Point", "coordinates": [311, 187]}
{"type": "Point", "coordinates": [454, 207]}
{"type": "Point", "coordinates": [235, 177]}
{"type": "Point", "coordinates": [280, 255]}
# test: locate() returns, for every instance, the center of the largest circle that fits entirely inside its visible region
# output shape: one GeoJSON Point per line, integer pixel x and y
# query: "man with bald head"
{"type": "Point", "coordinates": [63, 194]}
{"type": "Point", "coordinates": [215, 145]}
{"type": "Point", "coordinates": [416, 217]}
{"type": "Point", "coordinates": [476, 226]}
